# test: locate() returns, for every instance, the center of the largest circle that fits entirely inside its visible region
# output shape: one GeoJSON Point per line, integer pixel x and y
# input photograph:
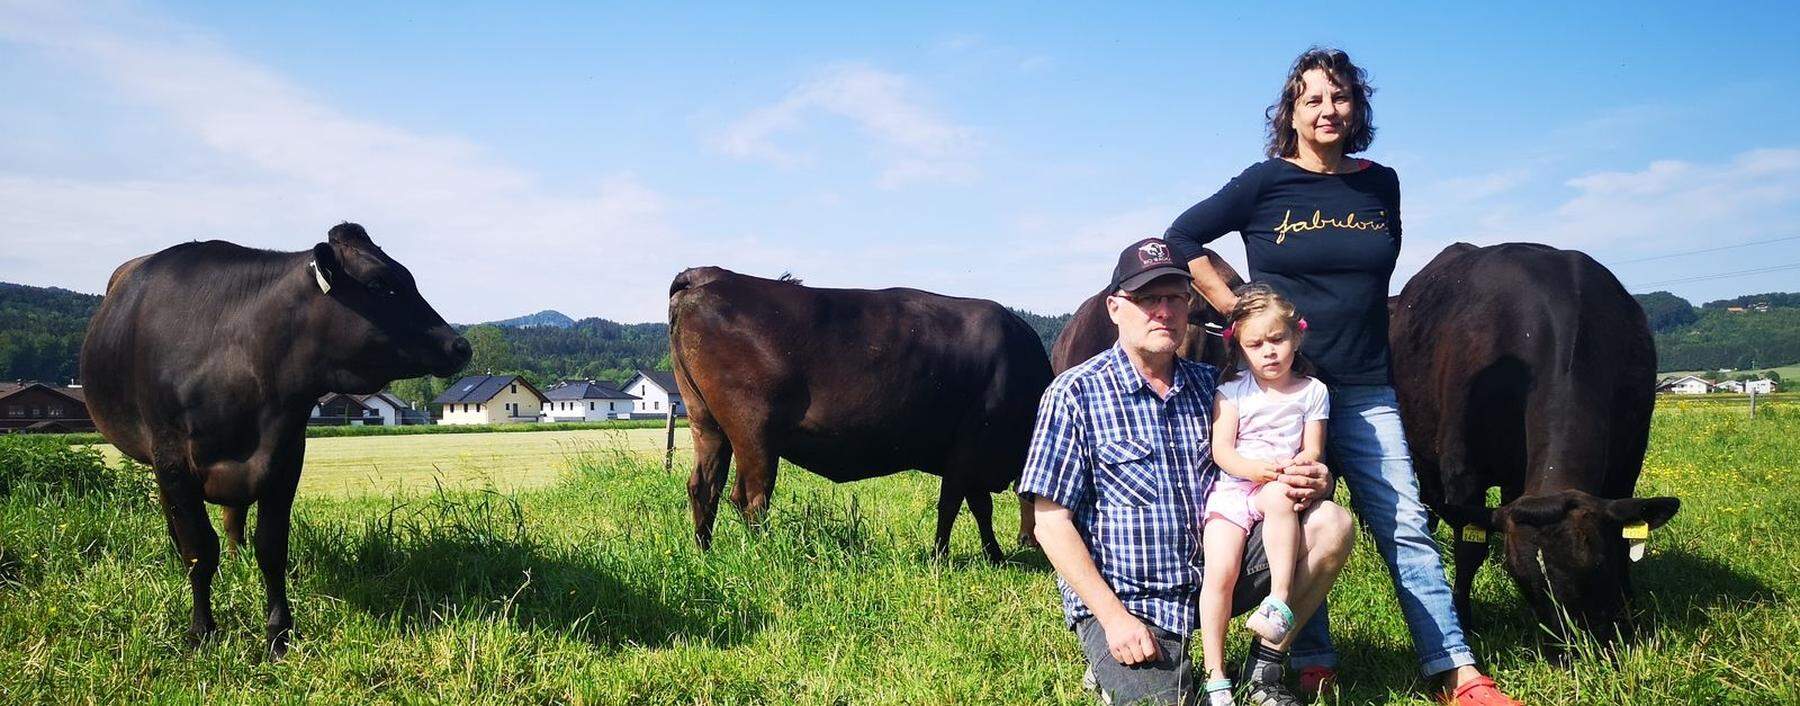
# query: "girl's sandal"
{"type": "Point", "coordinates": [1480, 691]}
{"type": "Point", "coordinates": [1271, 621]}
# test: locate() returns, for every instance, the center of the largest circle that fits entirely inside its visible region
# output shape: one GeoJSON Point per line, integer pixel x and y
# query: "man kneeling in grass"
{"type": "Point", "coordinates": [1119, 469]}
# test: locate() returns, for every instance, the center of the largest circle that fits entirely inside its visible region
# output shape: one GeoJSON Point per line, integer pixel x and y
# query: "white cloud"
{"type": "Point", "coordinates": [913, 141]}
{"type": "Point", "coordinates": [285, 166]}
{"type": "Point", "coordinates": [1665, 206]}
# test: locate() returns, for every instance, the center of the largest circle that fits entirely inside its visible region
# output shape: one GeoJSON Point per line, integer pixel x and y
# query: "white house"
{"type": "Point", "coordinates": [380, 408]}
{"type": "Point", "coordinates": [491, 399]}
{"type": "Point", "coordinates": [1763, 386]}
{"type": "Point", "coordinates": [1685, 385]}
{"type": "Point", "coordinates": [1729, 386]}
{"type": "Point", "coordinates": [586, 401]}
{"type": "Point", "coordinates": [656, 393]}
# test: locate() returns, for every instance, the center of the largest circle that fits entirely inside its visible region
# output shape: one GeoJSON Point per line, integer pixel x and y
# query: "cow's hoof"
{"type": "Point", "coordinates": [994, 555]}
{"type": "Point", "coordinates": [1028, 541]}
{"type": "Point", "coordinates": [198, 635]}
{"type": "Point", "coordinates": [277, 643]}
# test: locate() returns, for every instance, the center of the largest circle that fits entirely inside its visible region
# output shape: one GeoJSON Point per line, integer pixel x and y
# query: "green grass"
{"type": "Point", "coordinates": [405, 463]}
{"type": "Point", "coordinates": [590, 590]}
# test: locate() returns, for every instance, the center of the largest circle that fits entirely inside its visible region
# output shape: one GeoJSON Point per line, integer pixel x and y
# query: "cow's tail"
{"type": "Point", "coordinates": [679, 290]}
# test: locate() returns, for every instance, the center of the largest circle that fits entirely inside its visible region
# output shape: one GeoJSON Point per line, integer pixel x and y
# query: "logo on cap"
{"type": "Point", "coordinates": [1153, 254]}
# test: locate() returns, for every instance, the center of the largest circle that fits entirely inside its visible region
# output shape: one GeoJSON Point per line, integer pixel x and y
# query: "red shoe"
{"type": "Point", "coordinates": [1317, 680]}
{"type": "Point", "coordinates": [1480, 691]}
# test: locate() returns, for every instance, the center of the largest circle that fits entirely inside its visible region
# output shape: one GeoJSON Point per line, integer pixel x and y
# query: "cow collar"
{"type": "Point", "coordinates": [319, 276]}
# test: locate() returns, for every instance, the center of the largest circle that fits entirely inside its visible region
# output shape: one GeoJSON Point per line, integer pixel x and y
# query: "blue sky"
{"type": "Point", "coordinates": [577, 157]}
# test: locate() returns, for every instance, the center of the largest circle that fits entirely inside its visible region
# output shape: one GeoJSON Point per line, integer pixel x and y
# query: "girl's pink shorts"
{"type": "Point", "coordinates": [1230, 500]}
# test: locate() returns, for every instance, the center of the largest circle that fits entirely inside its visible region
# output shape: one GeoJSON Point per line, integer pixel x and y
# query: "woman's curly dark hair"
{"type": "Point", "coordinates": [1283, 142]}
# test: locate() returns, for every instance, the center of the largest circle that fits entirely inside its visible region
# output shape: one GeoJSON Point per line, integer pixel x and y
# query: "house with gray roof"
{"type": "Point", "coordinates": [657, 394]}
{"type": "Point", "coordinates": [586, 401]}
{"type": "Point", "coordinates": [491, 399]}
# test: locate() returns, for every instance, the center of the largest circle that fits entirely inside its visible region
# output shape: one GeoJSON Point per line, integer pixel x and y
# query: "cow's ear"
{"type": "Point", "coordinates": [1465, 515]}
{"type": "Point", "coordinates": [348, 234]}
{"type": "Point", "coordinates": [1655, 512]}
{"type": "Point", "coordinates": [327, 260]}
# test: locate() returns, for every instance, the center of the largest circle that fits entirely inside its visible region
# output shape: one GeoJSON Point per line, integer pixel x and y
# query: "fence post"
{"type": "Point", "coordinates": [669, 441]}
{"type": "Point", "coordinates": [1752, 403]}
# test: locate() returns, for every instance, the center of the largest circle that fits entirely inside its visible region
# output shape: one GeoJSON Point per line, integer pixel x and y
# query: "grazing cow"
{"type": "Point", "coordinates": [1091, 330]}
{"type": "Point", "coordinates": [851, 384]}
{"type": "Point", "coordinates": [204, 362]}
{"type": "Point", "coordinates": [1530, 368]}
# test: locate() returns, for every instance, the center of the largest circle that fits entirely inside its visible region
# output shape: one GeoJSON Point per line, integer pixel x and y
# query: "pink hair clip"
{"type": "Point", "coordinates": [1229, 330]}
{"type": "Point", "coordinates": [1302, 324]}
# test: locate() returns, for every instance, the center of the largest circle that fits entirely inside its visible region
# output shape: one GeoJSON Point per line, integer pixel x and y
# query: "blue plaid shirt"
{"type": "Point", "coordinates": [1135, 470]}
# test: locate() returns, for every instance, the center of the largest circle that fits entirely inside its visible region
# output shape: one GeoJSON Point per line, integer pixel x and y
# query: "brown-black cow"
{"type": "Point", "coordinates": [205, 359]}
{"type": "Point", "coordinates": [1530, 368]}
{"type": "Point", "coordinates": [1091, 330]}
{"type": "Point", "coordinates": [851, 384]}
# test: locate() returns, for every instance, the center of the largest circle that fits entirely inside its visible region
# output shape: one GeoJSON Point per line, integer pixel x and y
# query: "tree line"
{"type": "Point", "coordinates": [41, 329]}
{"type": "Point", "coordinates": [1713, 337]}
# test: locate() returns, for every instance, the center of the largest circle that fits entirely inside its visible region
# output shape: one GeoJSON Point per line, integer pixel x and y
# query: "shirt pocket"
{"type": "Point", "coordinates": [1127, 474]}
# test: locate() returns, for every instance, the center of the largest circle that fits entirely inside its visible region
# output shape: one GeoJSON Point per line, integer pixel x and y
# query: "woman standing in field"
{"type": "Point", "coordinates": [1323, 229]}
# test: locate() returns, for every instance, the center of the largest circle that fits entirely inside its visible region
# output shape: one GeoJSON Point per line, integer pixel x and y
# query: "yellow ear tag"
{"type": "Point", "coordinates": [1474, 535]}
{"type": "Point", "coordinates": [1636, 534]}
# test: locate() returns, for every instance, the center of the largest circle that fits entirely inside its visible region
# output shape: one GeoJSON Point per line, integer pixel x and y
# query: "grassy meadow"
{"type": "Point", "coordinates": [576, 580]}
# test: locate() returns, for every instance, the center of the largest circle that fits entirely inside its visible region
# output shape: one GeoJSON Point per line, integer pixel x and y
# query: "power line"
{"type": "Point", "coordinates": [1720, 275]}
{"type": "Point", "coordinates": [1705, 250]}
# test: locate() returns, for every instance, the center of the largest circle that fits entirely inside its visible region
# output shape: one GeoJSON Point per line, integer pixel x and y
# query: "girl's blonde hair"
{"type": "Point", "coordinates": [1254, 299]}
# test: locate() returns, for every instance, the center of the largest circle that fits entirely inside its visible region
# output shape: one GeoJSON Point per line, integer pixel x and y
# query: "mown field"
{"type": "Point", "coordinates": [588, 589]}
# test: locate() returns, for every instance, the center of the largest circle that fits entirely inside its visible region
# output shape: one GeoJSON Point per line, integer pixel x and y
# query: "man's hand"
{"type": "Point", "coordinates": [1308, 482]}
{"type": "Point", "coordinates": [1130, 640]}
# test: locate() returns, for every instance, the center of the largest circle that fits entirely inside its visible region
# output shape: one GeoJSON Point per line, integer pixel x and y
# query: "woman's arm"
{"type": "Point", "coordinates": [1224, 446]}
{"type": "Point", "coordinates": [1213, 288]}
{"type": "Point", "coordinates": [1204, 222]}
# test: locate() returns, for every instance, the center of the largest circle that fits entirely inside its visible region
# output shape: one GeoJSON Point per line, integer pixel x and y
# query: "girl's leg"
{"type": "Point", "coordinates": [1281, 537]}
{"type": "Point", "coordinates": [1224, 548]}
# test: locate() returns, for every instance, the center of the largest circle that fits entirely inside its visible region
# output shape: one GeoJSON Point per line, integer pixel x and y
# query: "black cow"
{"type": "Point", "coordinates": [1530, 368]}
{"type": "Point", "coordinates": [851, 384]}
{"type": "Point", "coordinates": [1090, 330]}
{"type": "Point", "coordinates": [205, 359]}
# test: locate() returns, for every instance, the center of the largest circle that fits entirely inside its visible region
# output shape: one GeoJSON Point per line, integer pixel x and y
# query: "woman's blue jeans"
{"type": "Point", "coordinates": [1366, 447]}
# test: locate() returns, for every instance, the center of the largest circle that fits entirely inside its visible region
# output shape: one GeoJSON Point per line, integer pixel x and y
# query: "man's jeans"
{"type": "Point", "coordinates": [1366, 447]}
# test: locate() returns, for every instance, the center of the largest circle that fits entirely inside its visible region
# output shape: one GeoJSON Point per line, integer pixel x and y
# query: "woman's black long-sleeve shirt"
{"type": "Point", "coordinates": [1327, 242]}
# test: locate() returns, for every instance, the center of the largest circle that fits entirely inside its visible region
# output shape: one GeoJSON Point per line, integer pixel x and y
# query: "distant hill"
{"type": "Point", "coordinates": [1773, 300]}
{"type": "Point", "coordinates": [41, 330]}
{"type": "Point", "coordinates": [547, 317]}
{"type": "Point", "coordinates": [1765, 333]}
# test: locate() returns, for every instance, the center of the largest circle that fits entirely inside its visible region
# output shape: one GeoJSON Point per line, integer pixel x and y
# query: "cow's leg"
{"type": "Point", "coordinates": [950, 500]}
{"type": "Point", "coordinates": [712, 460]}
{"type": "Point", "coordinates": [1027, 523]}
{"type": "Point", "coordinates": [273, 522]}
{"type": "Point", "coordinates": [274, 519]}
{"type": "Point", "coordinates": [1469, 556]}
{"type": "Point", "coordinates": [981, 505]}
{"type": "Point", "coordinates": [184, 508]}
{"type": "Point", "coordinates": [756, 462]}
{"type": "Point", "coordinates": [234, 527]}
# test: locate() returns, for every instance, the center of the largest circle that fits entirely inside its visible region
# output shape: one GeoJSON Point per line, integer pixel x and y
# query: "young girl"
{"type": "Point", "coordinates": [1268, 415]}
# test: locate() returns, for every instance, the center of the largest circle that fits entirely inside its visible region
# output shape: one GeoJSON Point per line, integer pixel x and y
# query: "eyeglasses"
{"type": "Point", "coordinates": [1155, 301]}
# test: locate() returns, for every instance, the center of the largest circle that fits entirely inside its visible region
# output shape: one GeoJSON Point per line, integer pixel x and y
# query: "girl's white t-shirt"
{"type": "Point", "coordinates": [1270, 423]}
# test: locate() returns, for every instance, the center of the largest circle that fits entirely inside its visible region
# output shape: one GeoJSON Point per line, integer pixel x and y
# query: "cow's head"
{"type": "Point", "coordinates": [388, 332]}
{"type": "Point", "coordinates": [1567, 550]}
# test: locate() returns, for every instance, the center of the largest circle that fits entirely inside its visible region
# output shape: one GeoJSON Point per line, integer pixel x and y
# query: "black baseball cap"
{"type": "Point", "coordinates": [1144, 261]}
